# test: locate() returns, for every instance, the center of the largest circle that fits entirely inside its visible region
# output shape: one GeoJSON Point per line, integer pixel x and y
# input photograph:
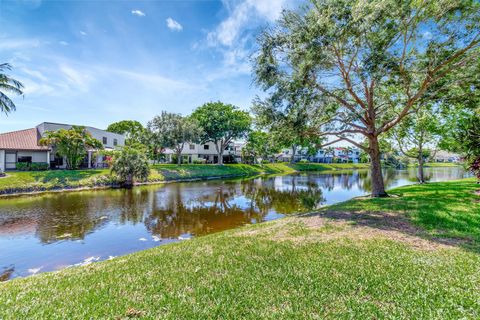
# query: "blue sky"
{"type": "Point", "coordinates": [97, 62]}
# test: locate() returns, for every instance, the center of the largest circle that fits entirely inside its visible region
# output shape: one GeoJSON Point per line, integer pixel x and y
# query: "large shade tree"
{"type": "Point", "coordinates": [132, 129]}
{"type": "Point", "coordinates": [8, 85]}
{"type": "Point", "coordinates": [73, 144]}
{"type": "Point", "coordinates": [369, 63]}
{"type": "Point", "coordinates": [221, 123]}
{"type": "Point", "coordinates": [174, 130]}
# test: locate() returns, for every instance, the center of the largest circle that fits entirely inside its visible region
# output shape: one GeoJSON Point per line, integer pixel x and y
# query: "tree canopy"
{"type": "Point", "coordinates": [174, 130]}
{"type": "Point", "coordinates": [369, 64]}
{"type": "Point", "coordinates": [132, 129]}
{"type": "Point", "coordinates": [130, 164]}
{"type": "Point", "coordinates": [221, 123]}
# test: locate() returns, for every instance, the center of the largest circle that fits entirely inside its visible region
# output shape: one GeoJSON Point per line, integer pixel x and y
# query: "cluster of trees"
{"type": "Point", "coordinates": [214, 122]}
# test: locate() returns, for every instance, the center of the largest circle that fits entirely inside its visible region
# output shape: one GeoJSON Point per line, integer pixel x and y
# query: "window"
{"type": "Point", "coordinates": [104, 140]}
{"type": "Point", "coordinates": [206, 147]}
{"type": "Point", "coordinates": [25, 159]}
{"type": "Point", "coordinates": [192, 147]}
{"type": "Point", "coordinates": [115, 142]}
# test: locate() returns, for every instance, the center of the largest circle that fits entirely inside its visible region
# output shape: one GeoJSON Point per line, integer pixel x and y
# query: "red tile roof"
{"type": "Point", "coordinates": [21, 140]}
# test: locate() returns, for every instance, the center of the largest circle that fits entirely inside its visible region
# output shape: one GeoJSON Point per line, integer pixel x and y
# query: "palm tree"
{"type": "Point", "coordinates": [8, 85]}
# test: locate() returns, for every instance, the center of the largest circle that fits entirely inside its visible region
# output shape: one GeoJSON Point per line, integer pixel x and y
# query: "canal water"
{"type": "Point", "coordinates": [58, 230]}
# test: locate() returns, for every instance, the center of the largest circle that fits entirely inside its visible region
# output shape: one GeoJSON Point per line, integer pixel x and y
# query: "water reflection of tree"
{"type": "Point", "coordinates": [301, 194]}
{"type": "Point", "coordinates": [175, 213]}
{"type": "Point", "coordinates": [70, 216]}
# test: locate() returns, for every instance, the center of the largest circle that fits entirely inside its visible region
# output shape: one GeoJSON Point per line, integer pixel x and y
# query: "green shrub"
{"type": "Point", "coordinates": [303, 161]}
{"type": "Point", "coordinates": [39, 166]}
{"type": "Point", "coordinates": [23, 166]}
{"type": "Point", "coordinates": [199, 161]}
{"type": "Point", "coordinates": [265, 161]}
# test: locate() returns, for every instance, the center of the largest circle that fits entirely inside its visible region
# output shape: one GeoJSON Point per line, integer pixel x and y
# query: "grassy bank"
{"type": "Point", "coordinates": [411, 256]}
{"type": "Point", "coordinates": [437, 164]}
{"type": "Point", "coordinates": [20, 182]}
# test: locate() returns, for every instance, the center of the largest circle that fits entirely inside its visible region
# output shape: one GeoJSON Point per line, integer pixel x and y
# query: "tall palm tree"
{"type": "Point", "coordinates": [8, 85]}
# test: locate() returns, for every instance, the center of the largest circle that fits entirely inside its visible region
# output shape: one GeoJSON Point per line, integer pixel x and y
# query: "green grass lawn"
{"type": "Point", "coordinates": [438, 164]}
{"type": "Point", "coordinates": [412, 256]}
{"type": "Point", "coordinates": [28, 181]}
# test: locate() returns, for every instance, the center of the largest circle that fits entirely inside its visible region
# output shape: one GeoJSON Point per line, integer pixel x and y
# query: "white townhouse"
{"type": "Point", "coordinates": [206, 152]}
{"type": "Point", "coordinates": [23, 146]}
{"type": "Point", "coordinates": [343, 154]}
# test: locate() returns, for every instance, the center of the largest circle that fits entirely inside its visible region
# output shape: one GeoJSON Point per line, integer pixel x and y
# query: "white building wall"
{"type": "Point", "coordinates": [2, 160]}
{"type": "Point", "coordinates": [96, 133]}
{"type": "Point", "coordinates": [37, 156]}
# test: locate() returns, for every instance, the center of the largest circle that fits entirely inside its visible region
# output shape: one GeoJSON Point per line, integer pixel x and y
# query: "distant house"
{"type": "Point", "coordinates": [341, 154]}
{"type": "Point", "coordinates": [445, 156]}
{"type": "Point", "coordinates": [23, 146]}
{"type": "Point", "coordinates": [206, 152]}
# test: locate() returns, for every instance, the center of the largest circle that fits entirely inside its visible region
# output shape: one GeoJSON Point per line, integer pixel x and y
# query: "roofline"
{"type": "Point", "coordinates": [18, 149]}
{"type": "Point", "coordinates": [78, 125]}
{"type": "Point", "coordinates": [17, 130]}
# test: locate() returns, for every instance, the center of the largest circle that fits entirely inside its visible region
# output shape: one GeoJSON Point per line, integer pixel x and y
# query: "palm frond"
{"type": "Point", "coordinates": [6, 104]}
{"type": "Point", "coordinates": [9, 88]}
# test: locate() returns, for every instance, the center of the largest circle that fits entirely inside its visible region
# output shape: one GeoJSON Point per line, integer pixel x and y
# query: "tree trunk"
{"type": "Point", "coordinates": [179, 158]}
{"type": "Point", "coordinates": [220, 157]}
{"type": "Point", "coordinates": [128, 182]}
{"type": "Point", "coordinates": [378, 187]}
{"type": "Point", "coordinates": [421, 176]}
{"type": "Point", "coordinates": [294, 151]}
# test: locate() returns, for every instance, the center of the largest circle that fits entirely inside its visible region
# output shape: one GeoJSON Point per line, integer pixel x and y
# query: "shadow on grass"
{"type": "Point", "coordinates": [446, 213]}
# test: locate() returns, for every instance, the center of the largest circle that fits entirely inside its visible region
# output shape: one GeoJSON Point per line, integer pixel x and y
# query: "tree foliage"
{"type": "Point", "coordinates": [369, 64]}
{"type": "Point", "coordinates": [129, 165]}
{"type": "Point", "coordinates": [173, 131]}
{"type": "Point", "coordinates": [291, 123]}
{"type": "Point", "coordinates": [418, 136]}
{"type": "Point", "coordinates": [132, 129]}
{"type": "Point", "coordinates": [8, 85]}
{"type": "Point", "coordinates": [260, 146]}
{"type": "Point", "coordinates": [221, 123]}
{"type": "Point", "coordinates": [72, 144]}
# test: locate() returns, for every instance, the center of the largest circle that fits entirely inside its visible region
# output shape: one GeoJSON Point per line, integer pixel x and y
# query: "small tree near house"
{"type": "Point", "coordinates": [73, 144]}
{"type": "Point", "coordinates": [221, 123]}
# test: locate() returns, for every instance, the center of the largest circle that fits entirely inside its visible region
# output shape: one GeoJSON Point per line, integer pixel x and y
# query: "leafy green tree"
{"type": "Point", "coordinates": [221, 123]}
{"type": "Point", "coordinates": [174, 130]}
{"type": "Point", "coordinates": [260, 146]}
{"type": "Point", "coordinates": [8, 85]}
{"type": "Point", "coordinates": [290, 122]}
{"type": "Point", "coordinates": [73, 144]}
{"type": "Point", "coordinates": [417, 136]}
{"type": "Point", "coordinates": [129, 165]}
{"type": "Point", "coordinates": [369, 64]}
{"type": "Point", "coordinates": [132, 129]}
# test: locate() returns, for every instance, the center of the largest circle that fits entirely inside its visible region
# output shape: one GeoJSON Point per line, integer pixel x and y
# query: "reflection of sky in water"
{"type": "Point", "coordinates": [53, 231]}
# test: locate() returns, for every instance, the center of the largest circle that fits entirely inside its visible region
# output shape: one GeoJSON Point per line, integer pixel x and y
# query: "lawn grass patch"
{"type": "Point", "coordinates": [312, 266]}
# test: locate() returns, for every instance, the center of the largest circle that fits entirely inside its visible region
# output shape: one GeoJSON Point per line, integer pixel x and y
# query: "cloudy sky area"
{"type": "Point", "coordinates": [96, 62]}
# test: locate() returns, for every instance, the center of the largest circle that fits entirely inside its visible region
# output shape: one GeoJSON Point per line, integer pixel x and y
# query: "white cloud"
{"type": "Point", "coordinates": [174, 25]}
{"type": "Point", "coordinates": [240, 17]}
{"type": "Point", "coordinates": [63, 43]}
{"type": "Point", "coordinates": [83, 33]}
{"type": "Point", "coordinates": [138, 13]}
{"type": "Point", "coordinates": [78, 80]}
{"type": "Point", "coordinates": [427, 35]}
{"type": "Point", "coordinates": [12, 44]}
